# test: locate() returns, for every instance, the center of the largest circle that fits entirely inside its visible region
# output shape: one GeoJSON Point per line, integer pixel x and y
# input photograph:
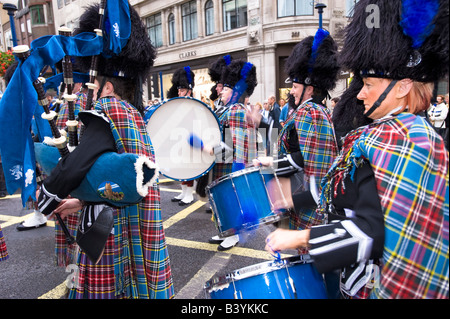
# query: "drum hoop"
{"type": "Point", "coordinates": [220, 132]}
{"type": "Point", "coordinates": [189, 179]}
{"type": "Point", "coordinates": [257, 269]}
{"type": "Point", "coordinates": [194, 99]}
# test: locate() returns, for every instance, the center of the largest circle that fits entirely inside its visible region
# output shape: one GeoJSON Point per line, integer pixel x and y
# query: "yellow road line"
{"type": "Point", "coordinates": [12, 220]}
{"type": "Point", "coordinates": [165, 180]}
{"type": "Point", "coordinates": [163, 189]}
{"type": "Point", "coordinates": [239, 251]}
{"type": "Point", "coordinates": [183, 214]}
{"type": "Point", "coordinates": [10, 196]}
{"type": "Point", "coordinates": [56, 293]}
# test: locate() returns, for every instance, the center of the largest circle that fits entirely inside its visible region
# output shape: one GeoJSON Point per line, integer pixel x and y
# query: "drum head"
{"type": "Point", "coordinates": [170, 127]}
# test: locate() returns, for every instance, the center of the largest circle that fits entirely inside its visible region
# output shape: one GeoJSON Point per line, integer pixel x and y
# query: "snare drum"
{"type": "Point", "coordinates": [289, 278]}
{"type": "Point", "coordinates": [245, 199]}
{"type": "Point", "coordinates": [170, 125]}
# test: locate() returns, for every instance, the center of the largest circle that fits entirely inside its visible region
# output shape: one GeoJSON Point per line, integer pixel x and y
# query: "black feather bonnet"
{"type": "Point", "coordinates": [135, 59]}
{"type": "Point", "coordinates": [313, 61]}
{"type": "Point", "coordinates": [184, 78]}
{"type": "Point", "coordinates": [217, 67]}
{"type": "Point", "coordinates": [398, 39]}
{"type": "Point", "coordinates": [240, 72]}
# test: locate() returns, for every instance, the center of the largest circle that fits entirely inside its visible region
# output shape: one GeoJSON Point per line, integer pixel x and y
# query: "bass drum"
{"type": "Point", "coordinates": [170, 126]}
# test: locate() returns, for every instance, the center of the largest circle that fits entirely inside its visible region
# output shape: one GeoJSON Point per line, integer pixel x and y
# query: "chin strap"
{"type": "Point", "coordinates": [301, 97]}
{"type": "Point", "coordinates": [381, 98]}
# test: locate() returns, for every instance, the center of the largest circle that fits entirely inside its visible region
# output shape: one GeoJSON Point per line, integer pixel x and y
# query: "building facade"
{"type": "Point", "coordinates": [68, 12]}
{"type": "Point", "coordinates": [33, 19]}
{"type": "Point", "coordinates": [197, 32]}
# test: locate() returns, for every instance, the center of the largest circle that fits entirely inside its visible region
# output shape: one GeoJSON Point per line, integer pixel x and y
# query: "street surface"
{"type": "Point", "coordinates": [30, 272]}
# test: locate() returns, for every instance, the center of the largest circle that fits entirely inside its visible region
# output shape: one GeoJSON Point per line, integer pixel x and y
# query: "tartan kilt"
{"type": "Point", "coordinates": [95, 281]}
{"type": "Point", "coordinates": [115, 275]}
{"type": "Point", "coordinates": [221, 169]}
{"type": "Point", "coordinates": [65, 254]}
{"type": "Point", "coordinates": [3, 251]}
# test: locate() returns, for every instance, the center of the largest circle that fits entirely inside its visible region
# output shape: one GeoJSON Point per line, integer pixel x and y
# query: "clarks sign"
{"type": "Point", "coordinates": [188, 54]}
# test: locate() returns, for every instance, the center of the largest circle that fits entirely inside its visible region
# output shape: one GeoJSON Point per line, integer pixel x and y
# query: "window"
{"type": "Point", "coordinates": [49, 10]}
{"type": "Point", "coordinates": [37, 15]}
{"type": "Point", "coordinates": [209, 17]}
{"type": "Point", "coordinates": [171, 29]}
{"type": "Point", "coordinates": [234, 14]}
{"type": "Point", "coordinates": [289, 8]}
{"type": "Point", "coordinates": [154, 29]}
{"type": "Point", "coordinates": [189, 19]}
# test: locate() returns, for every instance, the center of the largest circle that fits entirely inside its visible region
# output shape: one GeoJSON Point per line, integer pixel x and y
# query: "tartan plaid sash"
{"type": "Point", "coordinates": [318, 146]}
{"type": "Point", "coordinates": [243, 137]}
{"type": "Point", "coordinates": [410, 164]}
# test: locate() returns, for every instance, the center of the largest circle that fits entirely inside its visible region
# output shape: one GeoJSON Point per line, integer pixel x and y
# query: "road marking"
{"type": "Point", "coordinates": [12, 220]}
{"type": "Point", "coordinates": [239, 251]}
{"type": "Point", "coordinates": [166, 180]}
{"type": "Point", "coordinates": [56, 293]}
{"type": "Point", "coordinates": [163, 189]}
{"type": "Point", "coordinates": [195, 286]}
{"type": "Point", "coordinates": [10, 196]}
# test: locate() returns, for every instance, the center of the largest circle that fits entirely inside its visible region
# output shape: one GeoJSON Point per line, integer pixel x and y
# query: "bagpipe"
{"type": "Point", "coordinates": [111, 179]}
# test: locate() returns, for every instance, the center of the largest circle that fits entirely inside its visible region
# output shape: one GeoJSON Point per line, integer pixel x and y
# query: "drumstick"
{"type": "Point", "coordinates": [277, 255]}
{"type": "Point", "coordinates": [197, 142]}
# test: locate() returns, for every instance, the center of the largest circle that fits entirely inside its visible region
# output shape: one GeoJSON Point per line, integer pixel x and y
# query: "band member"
{"type": "Point", "coordinates": [307, 143]}
{"type": "Point", "coordinates": [386, 194]}
{"type": "Point", "coordinates": [184, 80]}
{"type": "Point", "coordinates": [239, 81]}
{"type": "Point", "coordinates": [135, 262]}
{"type": "Point", "coordinates": [215, 72]}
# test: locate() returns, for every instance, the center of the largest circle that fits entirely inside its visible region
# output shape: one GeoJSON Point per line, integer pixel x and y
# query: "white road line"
{"type": "Point", "coordinates": [195, 286]}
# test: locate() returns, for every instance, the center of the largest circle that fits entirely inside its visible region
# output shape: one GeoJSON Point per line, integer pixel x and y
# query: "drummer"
{"type": "Point", "coordinates": [307, 145]}
{"type": "Point", "coordinates": [239, 81]}
{"type": "Point", "coordinates": [184, 81]}
{"type": "Point", "coordinates": [215, 72]}
{"type": "Point", "coordinates": [388, 209]}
